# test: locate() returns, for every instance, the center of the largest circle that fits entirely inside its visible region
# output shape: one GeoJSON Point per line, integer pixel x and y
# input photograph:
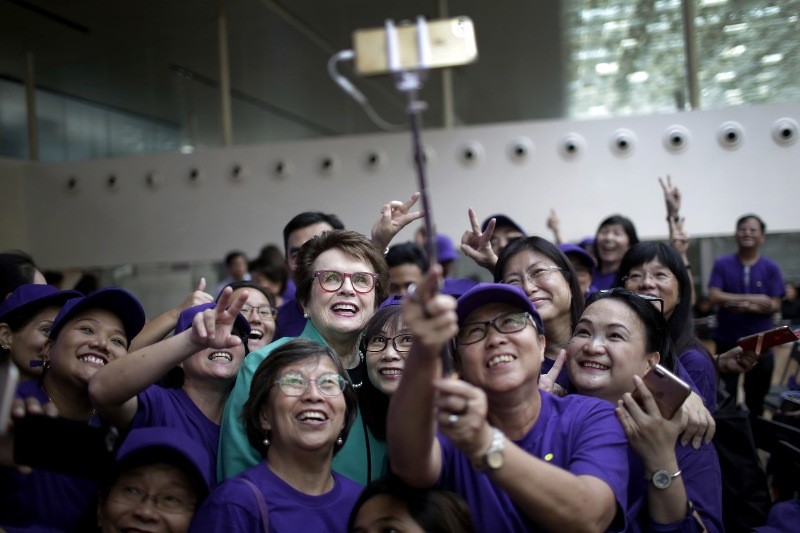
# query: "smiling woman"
{"type": "Point", "coordinates": [209, 344]}
{"type": "Point", "coordinates": [298, 415]}
{"type": "Point", "coordinates": [87, 334]}
{"type": "Point", "coordinates": [341, 278]}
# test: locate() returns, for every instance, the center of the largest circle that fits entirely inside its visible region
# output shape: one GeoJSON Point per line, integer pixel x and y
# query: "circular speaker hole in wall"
{"type": "Point", "coordinates": [375, 160]}
{"type": "Point", "coordinates": [328, 165]}
{"type": "Point", "coordinates": [194, 176]}
{"type": "Point", "coordinates": [153, 179]}
{"type": "Point", "coordinates": [623, 142]}
{"type": "Point", "coordinates": [112, 182]}
{"type": "Point", "coordinates": [571, 146]}
{"type": "Point", "coordinates": [282, 168]}
{"type": "Point", "coordinates": [72, 184]}
{"type": "Point", "coordinates": [520, 149]}
{"type": "Point", "coordinates": [676, 139]}
{"type": "Point", "coordinates": [730, 135]}
{"type": "Point", "coordinates": [784, 131]}
{"type": "Point", "coordinates": [470, 154]}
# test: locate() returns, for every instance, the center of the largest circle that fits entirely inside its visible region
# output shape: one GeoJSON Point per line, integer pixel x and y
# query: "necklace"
{"type": "Point", "coordinates": [91, 415]}
{"type": "Point", "coordinates": [328, 484]}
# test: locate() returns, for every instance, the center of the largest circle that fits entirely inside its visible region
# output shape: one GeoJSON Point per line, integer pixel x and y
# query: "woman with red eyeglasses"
{"type": "Point", "coordinates": [341, 278]}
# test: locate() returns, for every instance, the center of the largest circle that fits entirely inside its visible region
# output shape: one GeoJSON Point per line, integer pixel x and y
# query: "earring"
{"type": "Point", "coordinates": [266, 439]}
{"type": "Point", "coordinates": [305, 314]}
{"type": "Point", "coordinates": [3, 347]}
{"type": "Point", "coordinates": [339, 441]}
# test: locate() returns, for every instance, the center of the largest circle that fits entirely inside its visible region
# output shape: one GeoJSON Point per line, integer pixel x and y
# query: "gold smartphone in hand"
{"type": "Point", "coordinates": [668, 390]}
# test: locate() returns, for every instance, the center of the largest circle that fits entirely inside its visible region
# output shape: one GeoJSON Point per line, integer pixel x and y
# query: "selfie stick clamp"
{"type": "Point", "coordinates": [410, 81]}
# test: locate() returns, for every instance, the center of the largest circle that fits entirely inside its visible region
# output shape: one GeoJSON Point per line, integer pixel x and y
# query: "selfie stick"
{"type": "Point", "coordinates": [410, 82]}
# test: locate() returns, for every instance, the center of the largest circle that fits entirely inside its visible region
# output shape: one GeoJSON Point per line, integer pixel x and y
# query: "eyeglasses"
{"type": "Point", "coordinates": [332, 281]}
{"type": "Point", "coordinates": [660, 277]}
{"type": "Point", "coordinates": [402, 343]}
{"type": "Point", "coordinates": [264, 312]}
{"type": "Point", "coordinates": [168, 503]}
{"type": "Point", "coordinates": [296, 384]}
{"type": "Point", "coordinates": [508, 323]}
{"type": "Point", "coordinates": [655, 300]}
{"type": "Point", "coordinates": [533, 275]}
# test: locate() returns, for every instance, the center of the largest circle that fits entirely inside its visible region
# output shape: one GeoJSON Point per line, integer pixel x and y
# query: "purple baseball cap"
{"type": "Point", "coordinates": [502, 220]}
{"type": "Point", "coordinates": [28, 299]}
{"type": "Point", "coordinates": [575, 250]}
{"type": "Point", "coordinates": [187, 316]}
{"type": "Point", "coordinates": [445, 249]}
{"type": "Point", "coordinates": [114, 299]}
{"type": "Point", "coordinates": [172, 446]}
{"type": "Point", "coordinates": [496, 293]}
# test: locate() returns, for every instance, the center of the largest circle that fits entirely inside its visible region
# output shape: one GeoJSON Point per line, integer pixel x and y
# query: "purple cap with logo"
{"type": "Point", "coordinates": [172, 446]}
{"type": "Point", "coordinates": [26, 300]}
{"type": "Point", "coordinates": [187, 316]}
{"type": "Point", "coordinates": [496, 293]}
{"type": "Point", "coordinates": [114, 299]}
{"type": "Point", "coordinates": [575, 250]}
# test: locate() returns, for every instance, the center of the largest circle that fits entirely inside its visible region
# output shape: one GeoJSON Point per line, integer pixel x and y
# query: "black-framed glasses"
{"type": "Point", "coordinates": [508, 323]}
{"type": "Point", "coordinates": [332, 280]}
{"type": "Point", "coordinates": [296, 384]}
{"type": "Point", "coordinates": [655, 300]}
{"type": "Point", "coordinates": [264, 312]}
{"type": "Point", "coordinates": [130, 495]}
{"type": "Point", "coordinates": [402, 343]}
{"type": "Point", "coordinates": [660, 277]}
{"type": "Point", "coordinates": [534, 275]}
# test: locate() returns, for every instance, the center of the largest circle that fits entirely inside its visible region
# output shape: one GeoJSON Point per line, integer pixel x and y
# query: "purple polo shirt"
{"type": "Point", "coordinates": [160, 407]}
{"type": "Point", "coordinates": [729, 275]}
{"type": "Point", "coordinates": [701, 479]}
{"type": "Point", "coordinates": [576, 433]}
{"type": "Point", "coordinates": [700, 368]}
{"type": "Point", "coordinates": [232, 507]}
{"type": "Point", "coordinates": [290, 321]}
{"type": "Point", "coordinates": [44, 498]}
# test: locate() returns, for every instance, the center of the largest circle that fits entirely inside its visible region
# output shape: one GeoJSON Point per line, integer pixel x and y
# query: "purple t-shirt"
{"type": "Point", "coordinates": [290, 321]}
{"type": "Point", "coordinates": [700, 367]}
{"type": "Point", "coordinates": [45, 498]}
{"type": "Point", "coordinates": [232, 507]}
{"type": "Point", "coordinates": [730, 275]}
{"type": "Point", "coordinates": [602, 282]}
{"type": "Point", "coordinates": [160, 407]}
{"type": "Point", "coordinates": [701, 479]}
{"type": "Point", "coordinates": [576, 433]}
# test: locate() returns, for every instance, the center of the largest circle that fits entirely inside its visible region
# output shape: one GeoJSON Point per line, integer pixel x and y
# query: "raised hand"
{"type": "Point", "coordinates": [197, 297]}
{"type": "Point", "coordinates": [672, 196]}
{"type": "Point", "coordinates": [547, 382]}
{"type": "Point", "coordinates": [213, 327]}
{"type": "Point", "coordinates": [394, 217]}
{"type": "Point", "coordinates": [678, 237]}
{"type": "Point", "coordinates": [430, 316]}
{"type": "Point", "coordinates": [477, 244]}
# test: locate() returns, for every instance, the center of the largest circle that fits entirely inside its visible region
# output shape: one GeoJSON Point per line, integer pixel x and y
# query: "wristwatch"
{"type": "Point", "coordinates": [662, 479]}
{"type": "Point", "coordinates": [494, 457]}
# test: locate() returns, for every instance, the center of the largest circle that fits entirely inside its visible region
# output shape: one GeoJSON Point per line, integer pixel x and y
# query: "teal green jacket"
{"type": "Point", "coordinates": [236, 454]}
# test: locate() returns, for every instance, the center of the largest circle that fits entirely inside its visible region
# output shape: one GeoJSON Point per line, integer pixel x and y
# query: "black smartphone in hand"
{"type": "Point", "coordinates": [68, 446]}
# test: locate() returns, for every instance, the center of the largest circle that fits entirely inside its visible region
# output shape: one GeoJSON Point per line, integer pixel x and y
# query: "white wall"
{"type": "Point", "coordinates": [181, 221]}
